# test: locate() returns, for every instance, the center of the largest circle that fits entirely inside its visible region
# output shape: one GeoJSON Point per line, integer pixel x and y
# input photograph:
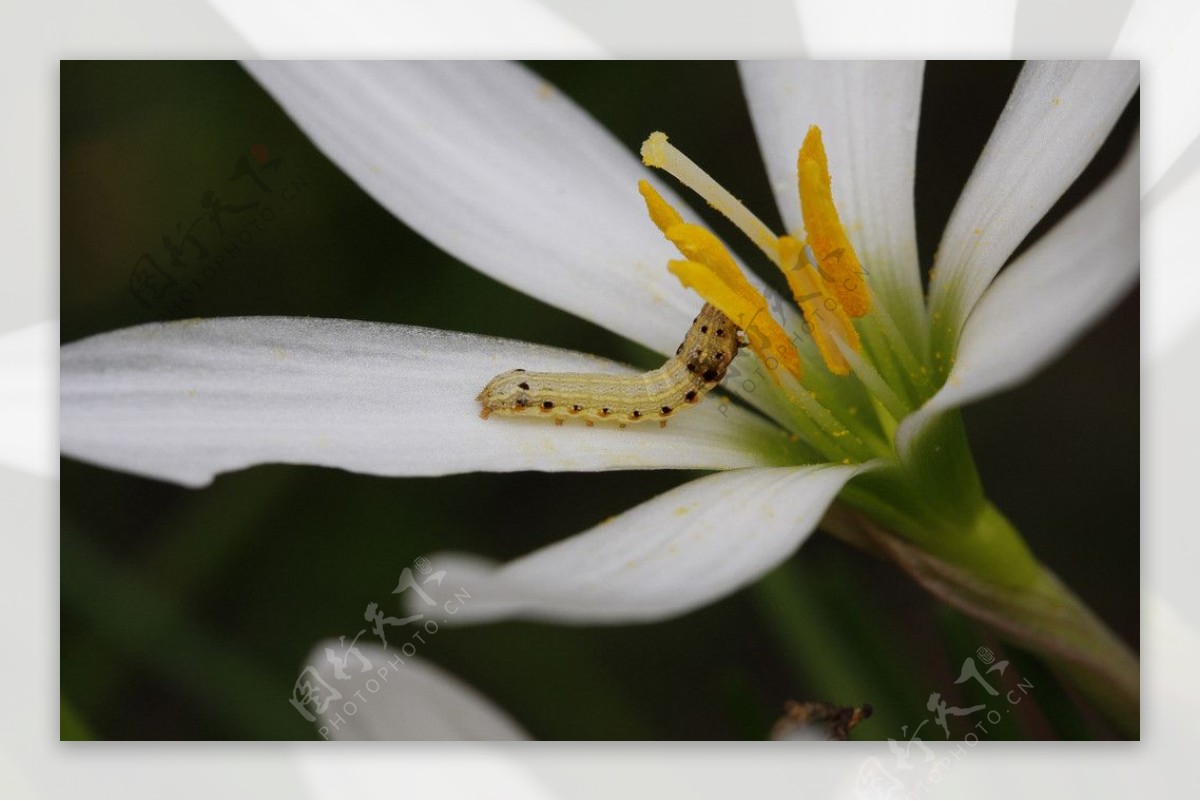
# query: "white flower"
{"type": "Point", "coordinates": [398, 698]}
{"type": "Point", "coordinates": [499, 169]}
{"type": "Point", "coordinates": [386, 696]}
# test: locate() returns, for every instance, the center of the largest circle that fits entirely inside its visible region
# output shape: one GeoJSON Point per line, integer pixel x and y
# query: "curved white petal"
{"type": "Point", "coordinates": [497, 167]}
{"type": "Point", "coordinates": [363, 691]}
{"type": "Point", "coordinates": [868, 113]}
{"type": "Point", "coordinates": [949, 28]}
{"type": "Point", "coordinates": [27, 383]}
{"type": "Point", "coordinates": [1042, 28]}
{"type": "Point", "coordinates": [382, 29]}
{"type": "Point", "coordinates": [1057, 117]}
{"type": "Point", "coordinates": [1163, 34]}
{"type": "Point", "coordinates": [674, 553]}
{"type": "Point", "coordinates": [1045, 299]}
{"type": "Point", "coordinates": [184, 401]}
{"type": "Point", "coordinates": [716, 29]}
{"type": "Point", "coordinates": [1173, 295]}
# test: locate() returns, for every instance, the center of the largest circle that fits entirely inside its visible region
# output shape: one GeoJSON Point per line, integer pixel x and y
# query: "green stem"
{"type": "Point", "coordinates": [990, 575]}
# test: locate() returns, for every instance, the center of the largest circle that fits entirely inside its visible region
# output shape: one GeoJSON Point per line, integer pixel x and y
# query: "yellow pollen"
{"type": "Point", "coordinates": [836, 260]}
{"type": "Point", "coordinates": [710, 270]}
{"type": "Point", "coordinates": [822, 310]}
{"type": "Point", "coordinates": [658, 152]}
{"type": "Point", "coordinates": [660, 211]}
{"type": "Point", "coordinates": [767, 338]}
{"type": "Point", "coordinates": [828, 285]}
{"type": "Point", "coordinates": [695, 242]}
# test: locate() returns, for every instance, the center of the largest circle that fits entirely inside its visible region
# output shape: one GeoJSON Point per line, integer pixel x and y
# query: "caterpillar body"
{"type": "Point", "coordinates": [697, 366]}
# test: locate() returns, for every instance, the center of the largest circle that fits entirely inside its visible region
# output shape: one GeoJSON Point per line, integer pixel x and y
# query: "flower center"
{"type": "Point", "coordinates": [828, 285]}
{"type": "Point", "coordinates": [823, 274]}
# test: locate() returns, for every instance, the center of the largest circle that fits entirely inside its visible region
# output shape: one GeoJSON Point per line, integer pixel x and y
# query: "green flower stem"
{"type": "Point", "coordinates": [941, 473]}
{"type": "Point", "coordinates": [990, 575]}
{"type": "Point", "coordinates": [992, 549]}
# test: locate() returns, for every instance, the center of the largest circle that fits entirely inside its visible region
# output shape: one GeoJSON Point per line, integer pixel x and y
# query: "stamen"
{"type": "Point", "coordinates": [660, 210]}
{"type": "Point", "coordinates": [874, 382]}
{"type": "Point", "coordinates": [695, 242]}
{"type": "Point", "coordinates": [747, 307]}
{"type": "Point", "coordinates": [658, 152]}
{"type": "Point", "coordinates": [829, 289]}
{"type": "Point", "coordinates": [824, 314]}
{"type": "Point", "coordinates": [710, 270]}
{"type": "Point", "coordinates": [835, 256]}
{"type": "Point", "coordinates": [700, 245]}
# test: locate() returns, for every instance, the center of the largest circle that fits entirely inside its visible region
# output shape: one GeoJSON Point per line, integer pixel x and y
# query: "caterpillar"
{"type": "Point", "coordinates": [697, 366]}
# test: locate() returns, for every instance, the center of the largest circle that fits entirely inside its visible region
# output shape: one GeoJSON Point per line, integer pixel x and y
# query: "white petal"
{"type": "Point", "coordinates": [868, 114]}
{"type": "Point", "coordinates": [716, 29]}
{"type": "Point", "coordinates": [1061, 29]}
{"type": "Point", "coordinates": [1163, 34]}
{"type": "Point", "coordinates": [1046, 298]}
{"type": "Point", "coordinates": [380, 29]}
{"type": "Point", "coordinates": [1057, 117]}
{"type": "Point", "coordinates": [498, 168]}
{"type": "Point", "coordinates": [184, 401]}
{"type": "Point", "coordinates": [1173, 296]}
{"type": "Point", "coordinates": [883, 29]}
{"type": "Point", "coordinates": [27, 385]}
{"type": "Point", "coordinates": [381, 694]}
{"type": "Point", "coordinates": [686, 548]}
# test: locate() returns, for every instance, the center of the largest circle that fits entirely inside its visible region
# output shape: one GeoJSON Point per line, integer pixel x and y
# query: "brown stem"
{"type": "Point", "coordinates": [1044, 617]}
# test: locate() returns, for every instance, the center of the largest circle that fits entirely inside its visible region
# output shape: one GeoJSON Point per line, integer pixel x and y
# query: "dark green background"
{"type": "Point", "coordinates": [187, 614]}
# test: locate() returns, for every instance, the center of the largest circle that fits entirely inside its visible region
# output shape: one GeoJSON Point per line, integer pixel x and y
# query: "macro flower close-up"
{"type": "Point", "coordinates": [840, 361]}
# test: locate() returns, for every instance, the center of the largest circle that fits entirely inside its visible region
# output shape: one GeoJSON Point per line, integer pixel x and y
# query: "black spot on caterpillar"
{"type": "Point", "coordinates": [698, 366]}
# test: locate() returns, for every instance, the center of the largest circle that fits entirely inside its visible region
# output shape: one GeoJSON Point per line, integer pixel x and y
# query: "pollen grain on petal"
{"type": "Point", "coordinates": [836, 259]}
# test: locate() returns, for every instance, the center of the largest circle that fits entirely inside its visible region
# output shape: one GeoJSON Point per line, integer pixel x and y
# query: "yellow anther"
{"type": "Point", "coordinates": [748, 309]}
{"type": "Point", "coordinates": [658, 152]}
{"type": "Point", "coordinates": [822, 310]}
{"type": "Point", "coordinates": [699, 244]}
{"type": "Point", "coordinates": [790, 253]}
{"type": "Point", "coordinates": [824, 315]}
{"type": "Point", "coordinates": [837, 261]}
{"type": "Point", "coordinates": [830, 292]}
{"type": "Point", "coordinates": [660, 211]}
{"type": "Point", "coordinates": [695, 242]}
{"type": "Point", "coordinates": [710, 270]}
